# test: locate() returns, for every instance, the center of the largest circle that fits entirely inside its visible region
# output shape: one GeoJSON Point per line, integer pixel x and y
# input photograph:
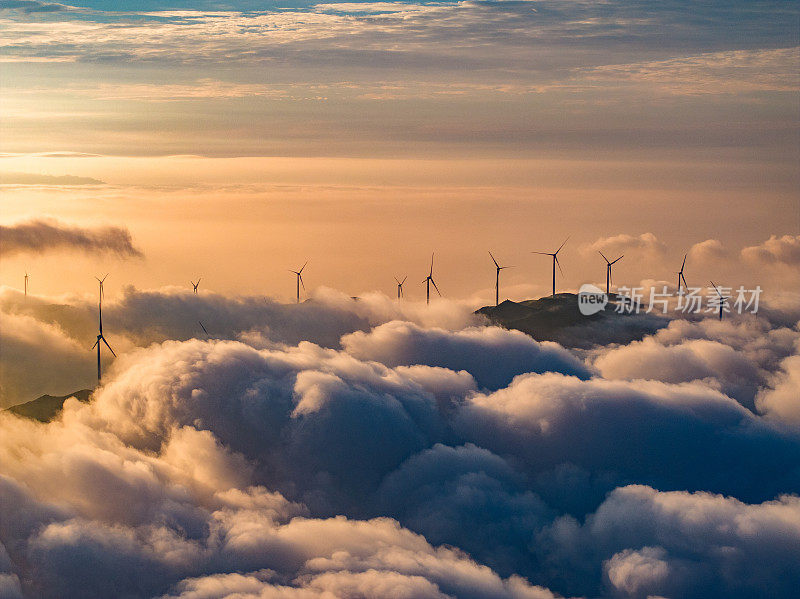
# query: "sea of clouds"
{"type": "Point", "coordinates": [370, 448]}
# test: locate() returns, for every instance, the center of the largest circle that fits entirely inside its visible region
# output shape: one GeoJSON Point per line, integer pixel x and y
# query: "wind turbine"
{"type": "Point", "coordinates": [428, 280]}
{"type": "Point", "coordinates": [101, 281]}
{"type": "Point", "coordinates": [722, 299]}
{"type": "Point", "coordinates": [202, 327]}
{"type": "Point", "coordinates": [26, 283]}
{"type": "Point", "coordinates": [608, 270]}
{"type": "Point", "coordinates": [400, 286]}
{"type": "Point", "coordinates": [100, 333]}
{"type": "Point", "coordinates": [299, 274]}
{"type": "Point", "coordinates": [555, 261]}
{"type": "Point", "coordinates": [681, 277]}
{"type": "Point", "coordinates": [497, 280]}
{"type": "Point", "coordinates": [195, 285]}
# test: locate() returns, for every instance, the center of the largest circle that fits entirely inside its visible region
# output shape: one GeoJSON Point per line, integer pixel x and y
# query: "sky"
{"type": "Point", "coordinates": [239, 444]}
{"type": "Point", "coordinates": [236, 141]}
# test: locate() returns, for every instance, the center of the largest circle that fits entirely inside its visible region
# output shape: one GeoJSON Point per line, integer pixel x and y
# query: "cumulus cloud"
{"type": "Point", "coordinates": [620, 244]}
{"type": "Point", "coordinates": [397, 455]}
{"type": "Point", "coordinates": [736, 357]}
{"type": "Point", "coordinates": [784, 251]}
{"type": "Point", "coordinates": [679, 544]}
{"type": "Point", "coordinates": [492, 355]}
{"type": "Point", "coordinates": [708, 251]}
{"type": "Point", "coordinates": [39, 358]}
{"type": "Point", "coordinates": [54, 333]}
{"type": "Point", "coordinates": [38, 236]}
{"type": "Point", "coordinates": [781, 400]}
{"type": "Point", "coordinates": [550, 420]}
{"type": "Point", "coordinates": [693, 360]}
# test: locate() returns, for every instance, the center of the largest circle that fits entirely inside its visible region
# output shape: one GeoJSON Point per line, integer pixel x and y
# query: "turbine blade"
{"type": "Point", "coordinates": [202, 327]}
{"type": "Point", "coordinates": [301, 281]}
{"type": "Point", "coordinates": [542, 253]}
{"type": "Point", "coordinates": [715, 289]}
{"type": "Point", "coordinates": [431, 274]}
{"type": "Point", "coordinates": [684, 262]}
{"type": "Point", "coordinates": [618, 259]}
{"type": "Point", "coordinates": [398, 280]}
{"type": "Point", "coordinates": [604, 256]}
{"type": "Point", "coordinates": [95, 344]}
{"type": "Point", "coordinates": [404, 280]}
{"type": "Point", "coordinates": [558, 264]}
{"type": "Point", "coordinates": [304, 265]}
{"type": "Point", "coordinates": [108, 346]}
{"type": "Point", "coordinates": [563, 244]}
{"type": "Point", "coordinates": [435, 287]}
{"type": "Point", "coordinates": [495, 261]}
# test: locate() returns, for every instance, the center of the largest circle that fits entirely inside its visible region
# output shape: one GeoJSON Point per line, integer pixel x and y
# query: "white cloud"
{"type": "Point", "coordinates": [378, 468]}
{"type": "Point", "coordinates": [619, 244]}
{"type": "Point", "coordinates": [784, 251]}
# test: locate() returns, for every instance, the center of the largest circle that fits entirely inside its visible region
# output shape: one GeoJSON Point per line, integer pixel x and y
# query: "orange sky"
{"type": "Point", "coordinates": [235, 145]}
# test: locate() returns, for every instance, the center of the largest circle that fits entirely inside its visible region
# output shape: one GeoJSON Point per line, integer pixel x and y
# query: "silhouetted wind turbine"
{"type": "Point", "coordinates": [428, 280]}
{"type": "Point", "coordinates": [497, 280]}
{"type": "Point", "coordinates": [555, 261]}
{"type": "Point", "coordinates": [681, 277]}
{"type": "Point", "coordinates": [195, 285]}
{"type": "Point", "coordinates": [204, 328]}
{"type": "Point", "coordinates": [101, 281]}
{"type": "Point", "coordinates": [26, 283]}
{"type": "Point", "coordinates": [722, 299]}
{"type": "Point", "coordinates": [299, 274]}
{"type": "Point", "coordinates": [100, 333]}
{"type": "Point", "coordinates": [400, 286]}
{"type": "Point", "coordinates": [608, 270]}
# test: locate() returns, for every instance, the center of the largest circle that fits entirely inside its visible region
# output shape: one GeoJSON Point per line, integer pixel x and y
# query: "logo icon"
{"type": "Point", "coordinates": [591, 299]}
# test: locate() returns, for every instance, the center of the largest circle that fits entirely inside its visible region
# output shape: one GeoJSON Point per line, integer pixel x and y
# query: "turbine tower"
{"type": "Point", "coordinates": [400, 286]}
{"type": "Point", "coordinates": [608, 270]}
{"type": "Point", "coordinates": [681, 277]}
{"type": "Point", "coordinates": [428, 280]}
{"type": "Point", "coordinates": [100, 333]}
{"type": "Point", "coordinates": [299, 274]}
{"type": "Point", "coordinates": [555, 262]}
{"type": "Point", "coordinates": [497, 280]}
{"type": "Point", "coordinates": [722, 299]}
{"type": "Point", "coordinates": [195, 285]}
{"type": "Point", "coordinates": [26, 283]}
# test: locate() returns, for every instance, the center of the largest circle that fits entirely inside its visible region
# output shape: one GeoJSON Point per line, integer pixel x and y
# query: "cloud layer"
{"type": "Point", "coordinates": [39, 236]}
{"type": "Point", "coordinates": [409, 459]}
